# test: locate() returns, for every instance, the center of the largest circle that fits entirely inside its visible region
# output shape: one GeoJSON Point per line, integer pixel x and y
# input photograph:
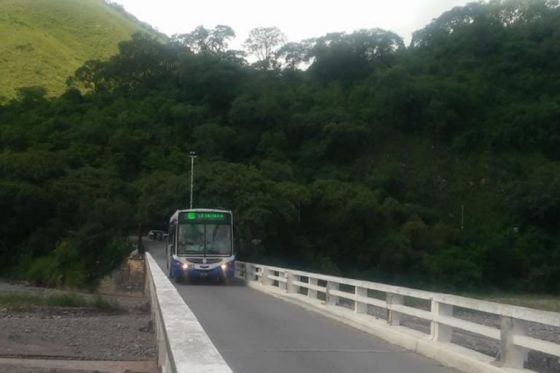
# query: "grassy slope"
{"type": "Point", "coordinates": [44, 41]}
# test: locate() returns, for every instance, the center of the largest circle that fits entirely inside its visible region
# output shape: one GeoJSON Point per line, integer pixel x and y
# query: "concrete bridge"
{"type": "Point", "coordinates": [278, 320]}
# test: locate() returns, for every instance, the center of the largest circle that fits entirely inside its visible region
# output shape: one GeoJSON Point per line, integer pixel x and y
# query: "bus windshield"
{"type": "Point", "coordinates": [204, 239]}
{"type": "Point", "coordinates": [218, 239]}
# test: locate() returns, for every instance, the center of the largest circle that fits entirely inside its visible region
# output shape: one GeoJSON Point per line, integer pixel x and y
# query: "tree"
{"type": "Point", "coordinates": [263, 42]}
{"type": "Point", "coordinates": [141, 65]}
{"type": "Point", "coordinates": [347, 57]}
{"type": "Point", "coordinates": [203, 40]}
{"type": "Point", "coordinates": [295, 54]}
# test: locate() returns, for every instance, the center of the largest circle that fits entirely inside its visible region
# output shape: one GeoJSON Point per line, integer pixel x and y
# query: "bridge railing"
{"type": "Point", "coordinates": [183, 345]}
{"type": "Point", "coordinates": [362, 300]}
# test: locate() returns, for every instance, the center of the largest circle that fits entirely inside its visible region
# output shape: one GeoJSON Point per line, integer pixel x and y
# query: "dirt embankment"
{"type": "Point", "coordinates": [76, 326]}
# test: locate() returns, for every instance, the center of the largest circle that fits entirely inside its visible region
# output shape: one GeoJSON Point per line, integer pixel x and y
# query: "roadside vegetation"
{"type": "Point", "coordinates": [433, 165]}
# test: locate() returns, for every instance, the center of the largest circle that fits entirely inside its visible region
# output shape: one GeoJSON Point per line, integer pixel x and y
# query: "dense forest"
{"type": "Point", "coordinates": [435, 164]}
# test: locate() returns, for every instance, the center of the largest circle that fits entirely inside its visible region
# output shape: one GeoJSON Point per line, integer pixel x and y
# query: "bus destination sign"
{"type": "Point", "coordinates": [204, 217]}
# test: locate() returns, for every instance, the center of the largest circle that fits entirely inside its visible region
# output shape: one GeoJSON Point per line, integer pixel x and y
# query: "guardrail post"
{"type": "Point", "coordinates": [290, 287]}
{"type": "Point", "coordinates": [331, 300]}
{"type": "Point", "coordinates": [264, 276]}
{"type": "Point", "coordinates": [440, 332]}
{"type": "Point", "coordinates": [283, 285]}
{"type": "Point", "coordinates": [393, 317]}
{"type": "Point", "coordinates": [511, 356]}
{"type": "Point", "coordinates": [248, 272]}
{"type": "Point", "coordinates": [360, 307]}
{"type": "Point", "coordinates": [312, 293]}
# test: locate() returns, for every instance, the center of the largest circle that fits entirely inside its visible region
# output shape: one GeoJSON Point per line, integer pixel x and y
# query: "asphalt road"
{"type": "Point", "coordinates": [256, 333]}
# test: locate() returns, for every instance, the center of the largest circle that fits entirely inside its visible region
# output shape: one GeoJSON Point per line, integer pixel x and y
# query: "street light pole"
{"type": "Point", "coordinates": [192, 156]}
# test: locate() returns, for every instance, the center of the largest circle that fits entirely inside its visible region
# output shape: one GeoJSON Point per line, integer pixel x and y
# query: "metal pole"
{"type": "Point", "coordinates": [192, 155]}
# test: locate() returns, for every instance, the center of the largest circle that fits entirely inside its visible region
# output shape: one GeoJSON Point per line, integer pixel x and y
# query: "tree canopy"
{"type": "Point", "coordinates": [434, 164]}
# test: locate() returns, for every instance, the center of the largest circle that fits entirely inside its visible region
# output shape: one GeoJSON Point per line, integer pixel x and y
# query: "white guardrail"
{"type": "Point", "coordinates": [351, 301]}
{"type": "Point", "coordinates": [183, 345]}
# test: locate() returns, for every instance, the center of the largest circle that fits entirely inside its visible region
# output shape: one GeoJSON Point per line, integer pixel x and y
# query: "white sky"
{"type": "Point", "coordinates": [298, 19]}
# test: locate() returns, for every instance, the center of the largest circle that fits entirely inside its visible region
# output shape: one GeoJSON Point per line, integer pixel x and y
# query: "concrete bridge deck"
{"type": "Point", "coordinates": [256, 333]}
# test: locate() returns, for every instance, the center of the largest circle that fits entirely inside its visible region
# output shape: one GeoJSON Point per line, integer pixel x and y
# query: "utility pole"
{"type": "Point", "coordinates": [192, 156]}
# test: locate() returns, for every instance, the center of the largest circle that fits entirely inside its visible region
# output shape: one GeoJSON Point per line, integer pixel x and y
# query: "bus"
{"type": "Point", "coordinates": [200, 245]}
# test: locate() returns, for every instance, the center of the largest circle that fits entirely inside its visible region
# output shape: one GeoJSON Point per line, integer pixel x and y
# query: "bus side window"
{"type": "Point", "coordinates": [171, 239]}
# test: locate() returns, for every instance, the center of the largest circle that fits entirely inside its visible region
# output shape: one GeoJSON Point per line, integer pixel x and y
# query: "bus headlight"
{"type": "Point", "coordinates": [185, 266]}
{"type": "Point", "coordinates": [224, 267]}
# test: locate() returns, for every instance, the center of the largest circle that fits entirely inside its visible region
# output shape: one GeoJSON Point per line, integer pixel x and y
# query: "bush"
{"type": "Point", "coordinates": [455, 268]}
{"type": "Point", "coordinates": [78, 262]}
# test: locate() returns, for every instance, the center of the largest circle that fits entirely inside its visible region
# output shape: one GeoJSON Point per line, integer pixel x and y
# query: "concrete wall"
{"type": "Point", "coordinates": [183, 345]}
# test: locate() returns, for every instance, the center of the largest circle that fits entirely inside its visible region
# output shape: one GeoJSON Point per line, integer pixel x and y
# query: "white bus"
{"type": "Point", "coordinates": [200, 245]}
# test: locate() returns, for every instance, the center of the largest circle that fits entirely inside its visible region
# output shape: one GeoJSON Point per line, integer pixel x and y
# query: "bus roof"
{"type": "Point", "coordinates": [175, 216]}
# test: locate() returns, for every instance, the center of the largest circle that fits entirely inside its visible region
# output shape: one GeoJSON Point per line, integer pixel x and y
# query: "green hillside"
{"type": "Point", "coordinates": [44, 41]}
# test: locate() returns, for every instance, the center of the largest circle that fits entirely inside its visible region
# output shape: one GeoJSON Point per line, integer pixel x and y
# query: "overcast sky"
{"type": "Point", "coordinates": [298, 19]}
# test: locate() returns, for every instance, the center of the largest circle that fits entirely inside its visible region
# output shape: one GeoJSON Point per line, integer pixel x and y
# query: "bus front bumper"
{"type": "Point", "coordinates": [180, 271]}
